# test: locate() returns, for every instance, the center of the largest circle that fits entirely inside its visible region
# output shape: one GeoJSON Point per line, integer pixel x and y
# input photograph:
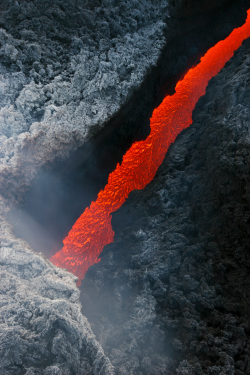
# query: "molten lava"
{"type": "Point", "coordinates": [93, 230]}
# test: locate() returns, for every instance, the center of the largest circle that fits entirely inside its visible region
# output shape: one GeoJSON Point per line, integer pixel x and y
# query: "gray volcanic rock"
{"type": "Point", "coordinates": [66, 69]}
{"type": "Point", "coordinates": [42, 330]}
{"type": "Point", "coordinates": [171, 294]}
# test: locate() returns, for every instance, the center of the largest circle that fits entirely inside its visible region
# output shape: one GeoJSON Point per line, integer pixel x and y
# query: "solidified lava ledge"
{"type": "Point", "coordinates": [79, 81]}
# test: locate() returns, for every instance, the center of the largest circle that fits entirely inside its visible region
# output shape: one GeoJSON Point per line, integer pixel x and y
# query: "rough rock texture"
{"type": "Point", "coordinates": [42, 330]}
{"type": "Point", "coordinates": [66, 68]}
{"type": "Point", "coordinates": [171, 295]}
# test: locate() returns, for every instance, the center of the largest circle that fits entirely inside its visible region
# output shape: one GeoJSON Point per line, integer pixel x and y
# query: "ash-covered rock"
{"type": "Point", "coordinates": [171, 295]}
{"type": "Point", "coordinates": [66, 68]}
{"type": "Point", "coordinates": [42, 330]}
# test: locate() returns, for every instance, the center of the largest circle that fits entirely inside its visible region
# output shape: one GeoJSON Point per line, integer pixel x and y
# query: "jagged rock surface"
{"type": "Point", "coordinates": [42, 330]}
{"type": "Point", "coordinates": [171, 295]}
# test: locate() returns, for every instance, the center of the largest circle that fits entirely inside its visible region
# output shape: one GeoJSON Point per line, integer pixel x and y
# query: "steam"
{"type": "Point", "coordinates": [38, 237]}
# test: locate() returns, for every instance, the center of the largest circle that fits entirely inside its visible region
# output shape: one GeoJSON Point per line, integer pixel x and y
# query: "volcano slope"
{"type": "Point", "coordinates": [171, 294]}
{"type": "Point", "coordinates": [60, 85]}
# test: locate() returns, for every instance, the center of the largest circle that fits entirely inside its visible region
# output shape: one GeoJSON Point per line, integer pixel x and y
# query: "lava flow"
{"type": "Point", "coordinates": [93, 230]}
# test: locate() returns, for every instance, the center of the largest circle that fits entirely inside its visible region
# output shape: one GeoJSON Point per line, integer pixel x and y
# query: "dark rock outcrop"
{"type": "Point", "coordinates": [171, 294]}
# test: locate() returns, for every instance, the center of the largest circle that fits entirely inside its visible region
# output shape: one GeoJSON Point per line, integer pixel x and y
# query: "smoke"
{"type": "Point", "coordinates": [28, 228]}
{"type": "Point", "coordinates": [57, 199]}
{"type": "Point", "coordinates": [50, 210]}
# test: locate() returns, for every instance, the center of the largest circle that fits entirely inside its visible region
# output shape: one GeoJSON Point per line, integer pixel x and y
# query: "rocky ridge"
{"type": "Point", "coordinates": [43, 331]}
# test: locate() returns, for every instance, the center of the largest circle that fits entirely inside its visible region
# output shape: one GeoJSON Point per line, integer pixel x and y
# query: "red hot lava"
{"type": "Point", "coordinates": [93, 230]}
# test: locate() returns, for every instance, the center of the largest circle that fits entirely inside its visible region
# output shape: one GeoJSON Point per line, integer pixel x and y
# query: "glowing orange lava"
{"type": "Point", "coordinates": [93, 230]}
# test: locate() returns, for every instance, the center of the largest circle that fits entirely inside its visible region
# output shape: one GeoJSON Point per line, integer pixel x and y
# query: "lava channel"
{"type": "Point", "coordinates": [93, 230]}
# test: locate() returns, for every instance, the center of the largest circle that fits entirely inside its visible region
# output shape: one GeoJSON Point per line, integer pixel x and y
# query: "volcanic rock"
{"type": "Point", "coordinates": [42, 330]}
